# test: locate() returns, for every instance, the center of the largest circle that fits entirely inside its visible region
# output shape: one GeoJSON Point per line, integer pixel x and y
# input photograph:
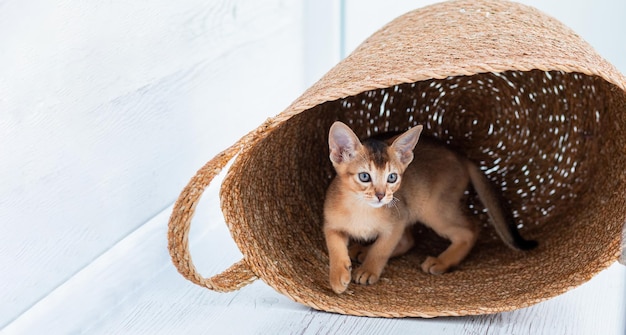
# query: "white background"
{"type": "Point", "coordinates": [108, 108]}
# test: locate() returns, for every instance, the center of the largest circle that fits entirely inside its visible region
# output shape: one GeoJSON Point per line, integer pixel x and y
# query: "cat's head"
{"type": "Point", "coordinates": [370, 170]}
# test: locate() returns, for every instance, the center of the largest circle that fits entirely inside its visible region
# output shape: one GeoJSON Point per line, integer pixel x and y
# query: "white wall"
{"type": "Point", "coordinates": [108, 108]}
{"type": "Point", "coordinates": [323, 37]}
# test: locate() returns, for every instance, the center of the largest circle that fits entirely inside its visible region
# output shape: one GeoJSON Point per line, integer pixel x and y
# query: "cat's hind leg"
{"type": "Point", "coordinates": [405, 244]}
{"type": "Point", "coordinates": [462, 237]}
{"type": "Point", "coordinates": [358, 251]}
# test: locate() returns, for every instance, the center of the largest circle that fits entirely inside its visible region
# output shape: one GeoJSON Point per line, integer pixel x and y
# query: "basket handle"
{"type": "Point", "coordinates": [239, 274]}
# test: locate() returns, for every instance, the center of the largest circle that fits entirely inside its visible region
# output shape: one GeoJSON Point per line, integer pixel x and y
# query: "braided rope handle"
{"type": "Point", "coordinates": [233, 278]}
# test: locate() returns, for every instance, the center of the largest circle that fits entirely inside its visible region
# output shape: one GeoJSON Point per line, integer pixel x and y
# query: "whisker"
{"type": "Point", "coordinates": [393, 203]}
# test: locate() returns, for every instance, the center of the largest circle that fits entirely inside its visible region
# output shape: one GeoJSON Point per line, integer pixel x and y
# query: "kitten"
{"type": "Point", "coordinates": [380, 190]}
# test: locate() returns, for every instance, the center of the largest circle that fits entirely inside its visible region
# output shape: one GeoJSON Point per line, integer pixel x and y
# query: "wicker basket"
{"type": "Point", "coordinates": [521, 94]}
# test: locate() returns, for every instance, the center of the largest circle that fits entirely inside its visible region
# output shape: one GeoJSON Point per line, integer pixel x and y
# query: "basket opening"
{"type": "Point", "coordinates": [551, 141]}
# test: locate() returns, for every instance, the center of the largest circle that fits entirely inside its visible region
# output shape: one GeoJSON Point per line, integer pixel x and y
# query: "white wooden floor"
{"type": "Point", "coordinates": [134, 289]}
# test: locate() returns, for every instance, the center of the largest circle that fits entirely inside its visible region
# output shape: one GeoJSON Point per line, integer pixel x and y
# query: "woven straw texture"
{"type": "Point", "coordinates": [521, 94]}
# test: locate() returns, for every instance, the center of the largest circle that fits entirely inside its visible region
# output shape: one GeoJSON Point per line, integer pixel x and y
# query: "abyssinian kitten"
{"type": "Point", "coordinates": [381, 189]}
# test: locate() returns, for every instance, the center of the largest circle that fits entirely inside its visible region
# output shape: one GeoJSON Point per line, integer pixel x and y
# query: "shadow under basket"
{"type": "Point", "coordinates": [521, 94]}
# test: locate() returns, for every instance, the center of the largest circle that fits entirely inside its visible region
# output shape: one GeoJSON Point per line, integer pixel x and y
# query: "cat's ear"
{"type": "Point", "coordinates": [405, 143]}
{"type": "Point", "coordinates": [343, 143]}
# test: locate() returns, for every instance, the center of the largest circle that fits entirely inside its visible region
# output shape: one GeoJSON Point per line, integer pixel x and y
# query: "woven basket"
{"type": "Point", "coordinates": [521, 94]}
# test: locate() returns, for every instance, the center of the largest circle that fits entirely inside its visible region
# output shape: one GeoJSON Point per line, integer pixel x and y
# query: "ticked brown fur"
{"type": "Point", "coordinates": [382, 189]}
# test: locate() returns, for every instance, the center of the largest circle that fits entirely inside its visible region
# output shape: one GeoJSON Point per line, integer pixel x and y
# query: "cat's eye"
{"type": "Point", "coordinates": [364, 177]}
{"type": "Point", "coordinates": [392, 178]}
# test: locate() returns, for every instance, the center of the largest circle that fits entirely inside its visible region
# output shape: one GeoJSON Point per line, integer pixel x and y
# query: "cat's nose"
{"type": "Point", "coordinates": [380, 196]}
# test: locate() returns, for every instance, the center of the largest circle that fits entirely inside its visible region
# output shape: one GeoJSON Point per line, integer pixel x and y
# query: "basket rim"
{"type": "Point", "coordinates": [359, 72]}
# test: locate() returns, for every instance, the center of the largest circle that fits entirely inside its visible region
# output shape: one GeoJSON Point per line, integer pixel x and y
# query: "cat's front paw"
{"type": "Point", "coordinates": [340, 277]}
{"type": "Point", "coordinates": [434, 265]}
{"type": "Point", "coordinates": [365, 276]}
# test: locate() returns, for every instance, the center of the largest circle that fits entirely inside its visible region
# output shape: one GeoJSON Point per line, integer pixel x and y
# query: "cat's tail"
{"type": "Point", "coordinates": [497, 210]}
